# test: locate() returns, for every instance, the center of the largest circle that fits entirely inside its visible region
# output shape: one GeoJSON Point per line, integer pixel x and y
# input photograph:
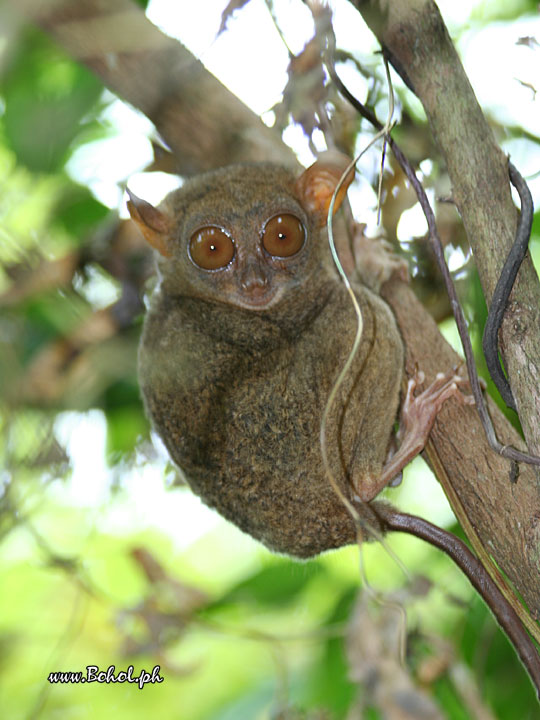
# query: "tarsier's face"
{"type": "Point", "coordinates": [250, 272]}
{"type": "Point", "coordinates": [246, 235]}
{"type": "Point", "coordinates": [241, 244]}
{"type": "Point", "coordinates": [250, 257]}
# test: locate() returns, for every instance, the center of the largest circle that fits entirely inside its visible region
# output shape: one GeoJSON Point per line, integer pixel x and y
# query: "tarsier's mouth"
{"type": "Point", "coordinates": [258, 298]}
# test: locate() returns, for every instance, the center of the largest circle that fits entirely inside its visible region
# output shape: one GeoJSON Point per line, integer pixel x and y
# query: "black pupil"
{"type": "Point", "coordinates": [212, 248]}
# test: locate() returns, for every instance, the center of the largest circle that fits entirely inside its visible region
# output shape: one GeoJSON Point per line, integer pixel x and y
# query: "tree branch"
{"type": "Point", "coordinates": [203, 123]}
{"type": "Point", "coordinates": [504, 515]}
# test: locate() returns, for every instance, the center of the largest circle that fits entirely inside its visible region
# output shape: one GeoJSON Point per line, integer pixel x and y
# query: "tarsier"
{"type": "Point", "coordinates": [246, 334]}
{"type": "Point", "coordinates": [243, 343]}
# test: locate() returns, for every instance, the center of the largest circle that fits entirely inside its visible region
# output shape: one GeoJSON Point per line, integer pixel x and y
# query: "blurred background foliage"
{"type": "Point", "coordinates": [106, 558]}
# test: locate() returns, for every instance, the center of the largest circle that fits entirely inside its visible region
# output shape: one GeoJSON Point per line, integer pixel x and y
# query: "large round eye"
{"type": "Point", "coordinates": [283, 235]}
{"type": "Point", "coordinates": [210, 248]}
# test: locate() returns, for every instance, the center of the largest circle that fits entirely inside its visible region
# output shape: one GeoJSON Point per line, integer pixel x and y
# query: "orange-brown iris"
{"type": "Point", "coordinates": [210, 248]}
{"type": "Point", "coordinates": [283, 235]}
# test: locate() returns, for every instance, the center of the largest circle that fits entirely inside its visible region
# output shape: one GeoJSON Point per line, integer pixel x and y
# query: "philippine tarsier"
{"type": "Point", "coordinates": [246, 334]}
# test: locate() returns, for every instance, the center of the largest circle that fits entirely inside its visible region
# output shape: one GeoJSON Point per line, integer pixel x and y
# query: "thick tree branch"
{"type": "Point", "coordinates": [413, 35]}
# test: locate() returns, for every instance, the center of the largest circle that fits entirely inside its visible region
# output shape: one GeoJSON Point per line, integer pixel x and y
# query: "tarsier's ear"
{"type": "Point", "coordinates": [155, 225]}
{"type": "Point", "coordinates": [316, 185]}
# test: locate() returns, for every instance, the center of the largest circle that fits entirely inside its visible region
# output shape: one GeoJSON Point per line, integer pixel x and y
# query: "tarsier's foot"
{"type": "Point", "coordinates": [418, 413]}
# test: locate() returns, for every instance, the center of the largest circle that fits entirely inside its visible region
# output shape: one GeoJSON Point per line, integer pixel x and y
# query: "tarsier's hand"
{"type": "Point", "coordinates": [375, 260]}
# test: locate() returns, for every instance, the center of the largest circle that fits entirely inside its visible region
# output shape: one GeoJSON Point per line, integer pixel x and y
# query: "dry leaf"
{"type": "Point", "coordinates": [373, 656]}
{"type": "Point", "coordinates": [229, 11]}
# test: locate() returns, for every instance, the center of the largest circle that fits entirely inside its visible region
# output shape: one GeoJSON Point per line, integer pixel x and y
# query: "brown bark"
{"type": "Point", "coordinates": [506, 516]}
{"type": "Point", "coordinates": [207, 126]}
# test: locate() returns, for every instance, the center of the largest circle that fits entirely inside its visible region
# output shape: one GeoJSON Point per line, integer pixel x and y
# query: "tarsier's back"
{"type": "Point", "coordinates": [237, 362]}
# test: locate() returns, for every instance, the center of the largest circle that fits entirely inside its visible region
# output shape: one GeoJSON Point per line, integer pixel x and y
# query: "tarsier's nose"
{"type": "Point", "coordinates": [253, 279]}
{"type": "Point", "coordinates": [255, 283]}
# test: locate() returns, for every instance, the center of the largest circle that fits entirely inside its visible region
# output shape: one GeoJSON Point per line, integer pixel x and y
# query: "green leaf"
{"type": "Point", "coordinates": [125, 425]}
{"type": "Point", "coordinates": [330, 685]}
{"type": "Point", "coordinates": [445, 694]}
{"type": "Point", "coordinates": [47, 96]}
{"type": "Point", "coordinates": [488, 650]}
{"type": "Point", "coordinates": [277, 584]}
{"type": "Point", "coordinates": [77, 211]}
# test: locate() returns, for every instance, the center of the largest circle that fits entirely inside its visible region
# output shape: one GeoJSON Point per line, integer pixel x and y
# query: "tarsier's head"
{"type": "Point", "coordinates": [244, 235]}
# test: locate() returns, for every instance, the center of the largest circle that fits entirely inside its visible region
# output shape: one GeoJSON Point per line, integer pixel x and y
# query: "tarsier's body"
{"type": "Point", "coordinates": [236, 378]}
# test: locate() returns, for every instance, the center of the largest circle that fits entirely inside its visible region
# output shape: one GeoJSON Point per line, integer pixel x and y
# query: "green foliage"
{"type": "Point", "coordinates": [77, 212]}
{"type": "Point", "coordinates": [101, 561]}
{"type": "Point", "coordinates": [503, 10]}
{"type": "Point", "coordinates": [486, 648]}
{"type": "Point", "coordinates": [274, 585]}
{"type": "Point", "coordinates": [330, 685]}
{"type": "Point", "coordinates": [47, 97]}
{"type": "Point", "coordinates": [448, 699]}
{"type": "Point", "coordinates": [126, 422]}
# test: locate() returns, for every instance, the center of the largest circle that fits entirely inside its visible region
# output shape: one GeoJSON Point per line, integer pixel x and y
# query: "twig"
{"type": "Point", "coordinates": [504, 287]}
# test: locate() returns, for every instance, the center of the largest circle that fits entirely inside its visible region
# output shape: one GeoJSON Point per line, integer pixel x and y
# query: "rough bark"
{"type": "Point", "coordinates": [207, 126]}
